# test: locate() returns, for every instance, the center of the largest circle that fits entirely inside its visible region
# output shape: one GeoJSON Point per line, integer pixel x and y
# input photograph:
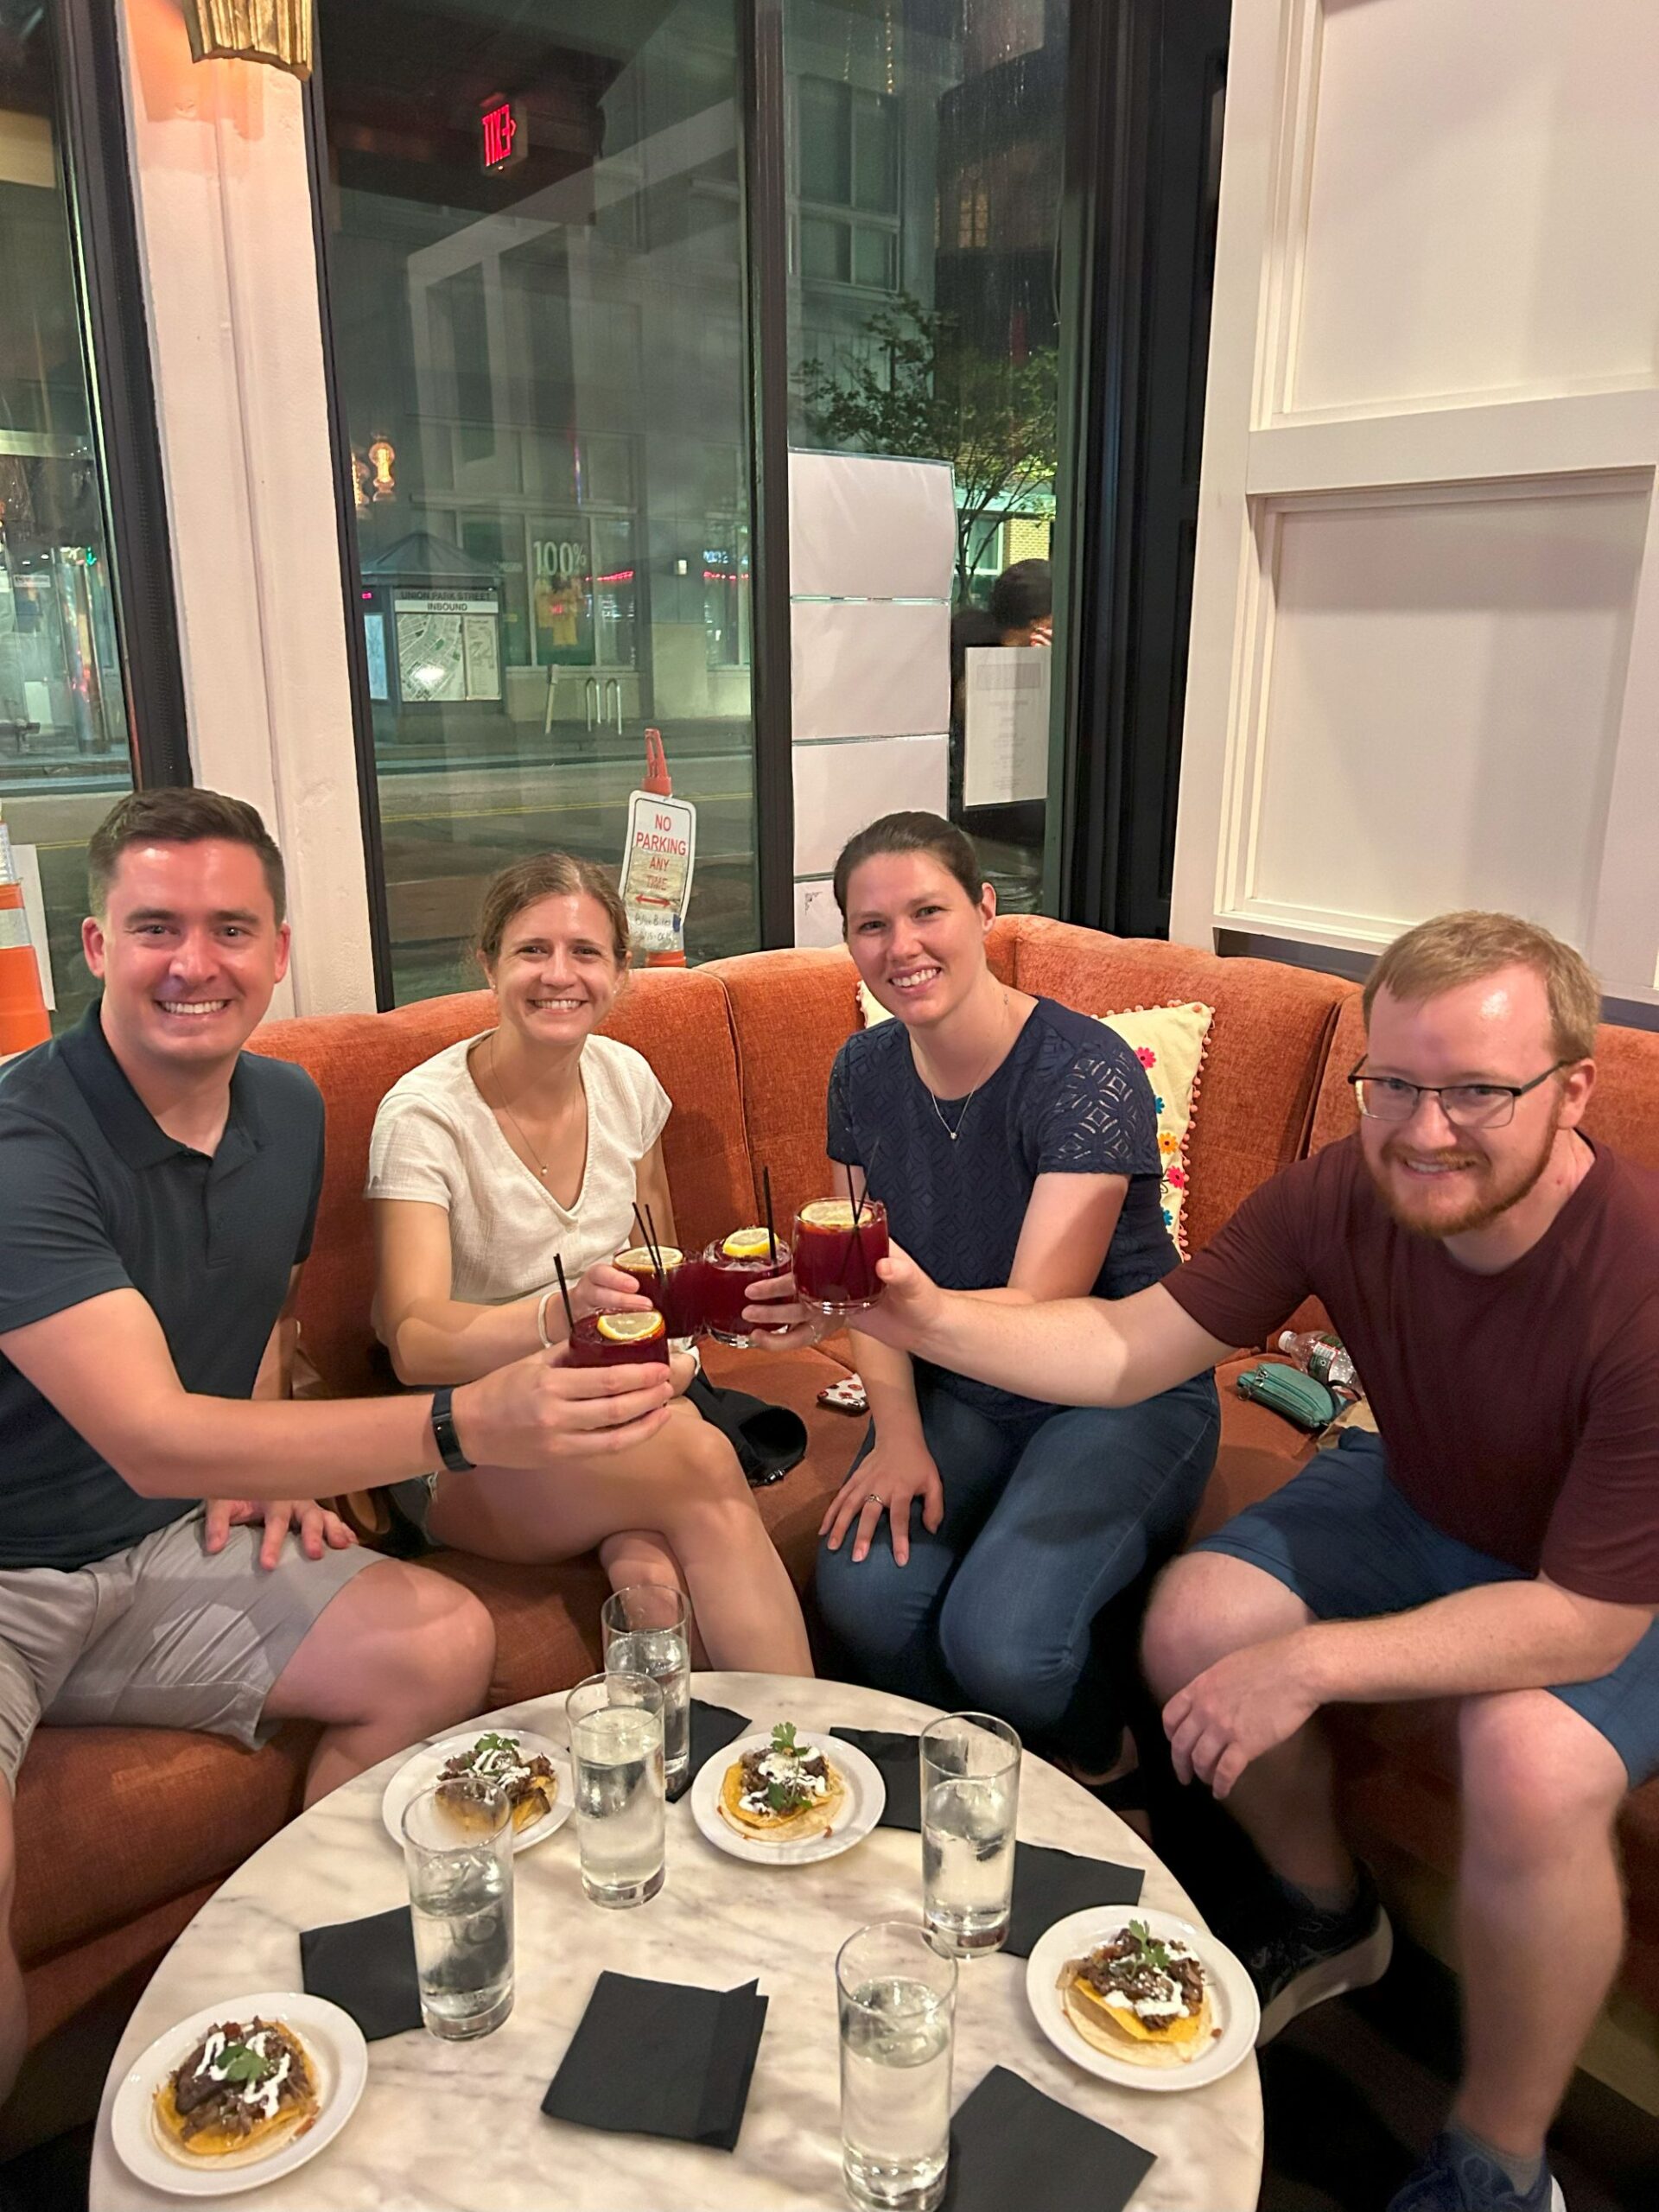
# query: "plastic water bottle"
{"type": "Point", "coordinates": [1321, 1354]}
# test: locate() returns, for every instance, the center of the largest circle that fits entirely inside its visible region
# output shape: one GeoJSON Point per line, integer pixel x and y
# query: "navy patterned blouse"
{"type": "Point", "coordinates": [1070, 1099]}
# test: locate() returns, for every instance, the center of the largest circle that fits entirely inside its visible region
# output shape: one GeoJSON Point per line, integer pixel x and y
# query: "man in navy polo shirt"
{"type": "Point", "coordinates": [158, 1190]}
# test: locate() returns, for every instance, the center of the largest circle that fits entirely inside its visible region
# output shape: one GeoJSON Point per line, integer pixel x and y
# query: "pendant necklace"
{"type": "Point", "coordinates": [954, 1134]}
{"type": "Point", "coordinates": [535, 1160]}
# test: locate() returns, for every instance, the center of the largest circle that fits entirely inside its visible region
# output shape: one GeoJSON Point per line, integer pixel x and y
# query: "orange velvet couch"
{"type": "Point", "coordinates": [122, 1833]}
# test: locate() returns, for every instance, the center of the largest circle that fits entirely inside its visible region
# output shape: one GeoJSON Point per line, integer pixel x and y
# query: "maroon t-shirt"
{"type": "Point", "coordinates": [1519, 1410]}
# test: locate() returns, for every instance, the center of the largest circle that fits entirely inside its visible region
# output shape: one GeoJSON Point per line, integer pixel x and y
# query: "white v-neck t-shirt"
{"type": "Point", "coordinates": [435, 1140]}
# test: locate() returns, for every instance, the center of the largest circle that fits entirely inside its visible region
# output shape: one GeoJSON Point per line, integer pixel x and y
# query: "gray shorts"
{"type": "Point", "coordinates": [160, 1636]}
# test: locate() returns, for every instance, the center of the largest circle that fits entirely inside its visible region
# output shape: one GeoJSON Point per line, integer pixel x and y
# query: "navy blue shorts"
{"type": "Point", "coordinates": [1341, 1536]}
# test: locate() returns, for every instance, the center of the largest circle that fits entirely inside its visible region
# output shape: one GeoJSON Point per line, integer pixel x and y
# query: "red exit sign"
{"type": "Point", "coordinates": [503, 140]}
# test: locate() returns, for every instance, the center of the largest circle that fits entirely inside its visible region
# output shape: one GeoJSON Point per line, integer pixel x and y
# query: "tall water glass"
{"type": "Point", "coordinates": [460, 1869]}
{"type": "Point", "coordinates": [897, 1996]}
{"type": "Point", "coordinates": [616, 1748]}
{"type": "Point", "coordinates": [970, 1802]}
{"type": "Point", "coordinates": [647, 1630]}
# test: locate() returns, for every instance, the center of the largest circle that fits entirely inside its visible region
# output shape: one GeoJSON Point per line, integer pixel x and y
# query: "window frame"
{"type": "Point", "coordinates": [96, 162]}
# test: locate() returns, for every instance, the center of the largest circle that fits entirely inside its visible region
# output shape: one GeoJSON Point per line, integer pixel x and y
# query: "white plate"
{"type": "Point", "coordinates": [420, 1770]}
{"type": "Point", "coordinates": [1232, 1997]}
{"type": "Point", "coordinates": [340, 2058]}
{"type": "Point", "coordinates": [857, 1813]}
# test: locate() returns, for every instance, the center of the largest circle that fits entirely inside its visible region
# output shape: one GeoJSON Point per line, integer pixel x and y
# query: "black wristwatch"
{"type": "Point", "coordinates": [443, 1432]}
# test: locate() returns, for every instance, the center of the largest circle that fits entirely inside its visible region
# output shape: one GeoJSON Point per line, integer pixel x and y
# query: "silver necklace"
{"type": "Point", "coordinates": [988, 1071]}
{"type": "Point", "coordinates": [536, 1157]}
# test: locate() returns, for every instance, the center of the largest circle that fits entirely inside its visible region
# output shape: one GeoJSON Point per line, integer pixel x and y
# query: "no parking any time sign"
{"type": "Point", "coordinates": [657, 869]}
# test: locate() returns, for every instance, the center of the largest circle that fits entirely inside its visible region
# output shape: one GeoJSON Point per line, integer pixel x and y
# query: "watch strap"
{"type": "Point", "coordinates": [443, 1432]}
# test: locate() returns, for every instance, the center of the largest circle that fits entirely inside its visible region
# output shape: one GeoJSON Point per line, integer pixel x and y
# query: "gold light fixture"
{"type": "Point", "coordinates": [277, 31]}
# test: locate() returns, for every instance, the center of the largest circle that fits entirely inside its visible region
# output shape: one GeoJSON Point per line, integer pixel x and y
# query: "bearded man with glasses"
{"type": "Point", "coordinates": [1495, 1275]}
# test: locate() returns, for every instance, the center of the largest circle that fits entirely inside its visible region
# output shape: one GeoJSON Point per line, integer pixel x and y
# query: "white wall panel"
{"type": "Point", "coordinates": [841, 789]}
{"type": "Point", "coordinates": [1480, 210]}
{"type": "Point", "coordinates": [1441, 708]}
{"type": "Point", "coordinates": [861, 526]}
{"type": "Point", "coordinates": [868, 668]}
{"type": "Point", "coordinates": [1424, 665]}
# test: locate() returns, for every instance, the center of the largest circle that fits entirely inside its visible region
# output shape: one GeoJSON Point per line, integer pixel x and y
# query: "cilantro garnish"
{"type": "Point", "coordinates": [1155, 1953]}
{"type": "Point", "coordinates": [786, 1797]}
{"type": "Point", "coordinates": [494, 1743]}
{"type": "Point", "coordinates": [783, 1740]}
{"type": "Point", "coordinates": [240, 2063]}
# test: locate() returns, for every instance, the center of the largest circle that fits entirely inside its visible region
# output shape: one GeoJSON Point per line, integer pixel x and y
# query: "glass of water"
{"type": "Point", "coordinates": [971, 1801]}
{"type": "Point", "coordinates": [459, 1868]}
{"type": "Point", "coordinates": [647, 1630]}
{"type": "Point", "coordinates": [616, 1748]}
{"type": "Point", "coordinates": [897, 1995]}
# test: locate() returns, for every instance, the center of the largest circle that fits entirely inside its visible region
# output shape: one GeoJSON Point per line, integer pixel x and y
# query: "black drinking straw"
{"type": "Point", "coordinates": [651, 1223]}
{"type": "Point", "coordinates": [857, 1204]}
{"type": "Point", "coordinates": [771, 1239]}
{"type": "Point", "coordinates": [564, 1292]}
{"type": "Point", "coordinates": [648, 1241]}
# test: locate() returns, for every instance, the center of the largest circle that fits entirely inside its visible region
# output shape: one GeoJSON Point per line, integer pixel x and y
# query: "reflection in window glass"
{"type": "Point", "coordinates": [924, 322]}
{"type": "Point", "coordinates": [548, 355]}
{"type": "Point", "coordinates": [63, 750]}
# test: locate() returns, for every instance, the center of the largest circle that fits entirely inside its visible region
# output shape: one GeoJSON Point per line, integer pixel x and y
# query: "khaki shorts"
{"type": "Point", "coordinates": [160, 1636]}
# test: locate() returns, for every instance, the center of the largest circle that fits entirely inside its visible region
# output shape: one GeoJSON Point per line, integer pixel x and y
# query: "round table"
{"type": "Point", "coordinates": [445, 2124]}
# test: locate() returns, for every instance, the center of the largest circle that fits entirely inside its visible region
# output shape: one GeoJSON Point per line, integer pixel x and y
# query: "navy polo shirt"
{"type": "Point", "coordinates": [95, 1197]}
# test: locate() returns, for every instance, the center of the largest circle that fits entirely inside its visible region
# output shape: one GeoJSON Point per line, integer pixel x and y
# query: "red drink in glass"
{"type": "Point", "coordinates": [618, 1339]}
{"type": "Point", "coordinates": [675, 1293]}
{"type": "Point", "coordinates": [728, 1269]}
{"type": "Point", "coordinates": [834, 1261]}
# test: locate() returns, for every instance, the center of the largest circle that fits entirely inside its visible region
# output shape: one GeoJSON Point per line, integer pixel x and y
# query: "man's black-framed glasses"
{"type": "Point", "coordinates": [1470, 1105]}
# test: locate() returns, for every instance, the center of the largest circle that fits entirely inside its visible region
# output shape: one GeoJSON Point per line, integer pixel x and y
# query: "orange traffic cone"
{"type": "Point", "coordinates": [23, 1020]}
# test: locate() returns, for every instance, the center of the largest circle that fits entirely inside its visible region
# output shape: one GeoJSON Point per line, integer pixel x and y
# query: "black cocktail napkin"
{"type": "Point", "coordinates": [899, 1757]}
{"type": "Point", "coordinates": [712, 1726]}
{"type": "Point", "coordinates": [1011, 2145]}
{"type": "Point", "coordinates": [660, 2058]}
{"type": "Point", "coordinates": [367, 1968]}
{"type": "Point", "coordinates": [1048, 1885]}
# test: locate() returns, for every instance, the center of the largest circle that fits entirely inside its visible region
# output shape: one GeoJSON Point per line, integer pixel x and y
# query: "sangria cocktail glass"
{"type": "Point", "coordinates": [836, 1247]}
{"type": "Point", "coordinates": [675, 1293]}
{"type": "Point", "coordinates": [618, 1339]}
{"type": "Point", "coordinates": [746, 1256]}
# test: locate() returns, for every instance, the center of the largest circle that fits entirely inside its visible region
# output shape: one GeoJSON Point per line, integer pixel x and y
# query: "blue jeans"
{"type": "Point", "coordinates": [1046, 1519]}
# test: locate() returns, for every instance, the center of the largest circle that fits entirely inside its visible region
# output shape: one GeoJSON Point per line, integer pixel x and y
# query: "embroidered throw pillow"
{"type": "Point", "coordinates": [1170, 1043]}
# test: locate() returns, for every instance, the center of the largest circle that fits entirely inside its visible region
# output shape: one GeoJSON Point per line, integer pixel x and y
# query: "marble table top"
{"type": "Point", "coordinates": [459, 2124]}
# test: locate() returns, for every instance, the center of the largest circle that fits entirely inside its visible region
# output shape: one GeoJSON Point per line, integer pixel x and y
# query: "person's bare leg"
{"type": "Point", "coordinates": [14, 2023]}
{"type": "Point", "coordinates": [685, 1487]}
{"type": "Point", "coordinates": [1207, 1604]}
{"type": "Point", "coordinates": [398, 1655]}
{"type": "Point", "coordinates": [1540, 1913]}
{"type": "Point", "coordinates": [636, 1555]}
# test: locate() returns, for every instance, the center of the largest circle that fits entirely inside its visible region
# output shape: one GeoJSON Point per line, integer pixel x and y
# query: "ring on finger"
{"type": "Point", "coordinates": [876, 1498]}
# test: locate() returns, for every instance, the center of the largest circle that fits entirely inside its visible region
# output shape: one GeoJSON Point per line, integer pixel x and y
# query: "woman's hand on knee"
{"type": "Point", "coordinates": [886, 1480]}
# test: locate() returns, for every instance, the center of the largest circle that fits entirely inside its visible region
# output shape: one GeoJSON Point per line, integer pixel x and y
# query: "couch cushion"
{"type": "Point", "coordinates": [547, 1617]}
{"type": "Point", "coordinates": [1259, 1452]}
{"type": "Point", "coordinates": [791, 1012]}
{"type": "Point", "coordinates": [677, 1018]}
{"type": "Point", "coordinates": [111, 1821]}
{"type": "Point", "coordinates": [1267, 1044]}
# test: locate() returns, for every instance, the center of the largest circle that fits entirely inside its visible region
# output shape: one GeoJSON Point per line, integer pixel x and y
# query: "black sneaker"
{"type": "Point", "coordinates": [1455, 2178]}
{"type": "Point", "coordinates": [1309, 1957]}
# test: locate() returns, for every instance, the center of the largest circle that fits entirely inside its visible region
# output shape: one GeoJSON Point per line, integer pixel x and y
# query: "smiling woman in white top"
{"type": "Point", "coordinates": [533, 1139]}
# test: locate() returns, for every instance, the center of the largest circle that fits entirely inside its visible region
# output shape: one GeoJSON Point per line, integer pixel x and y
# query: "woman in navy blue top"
{"type": "Point", "coordinates": [1015, 1144]}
